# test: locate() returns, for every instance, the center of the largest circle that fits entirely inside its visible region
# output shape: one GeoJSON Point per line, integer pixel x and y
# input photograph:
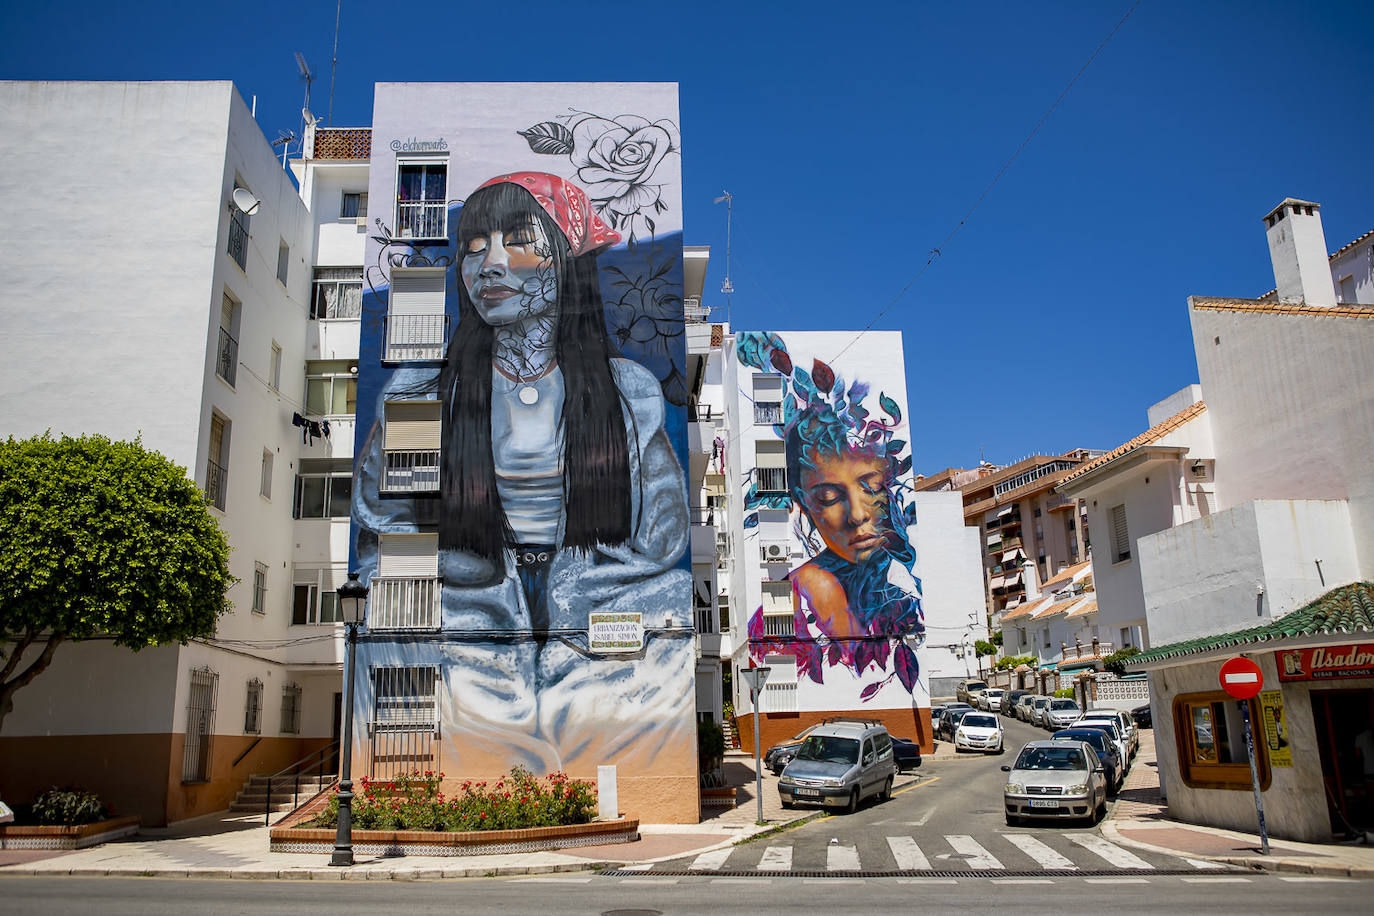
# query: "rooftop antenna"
{"type": "Point", "coordinates": [334, 63]}
{"type": "Point", "coordinates": [306, 75]}
{"type": "Point", "coordinates": [284, 140]}
{"type": "Point", "coordinates": [727, 288]}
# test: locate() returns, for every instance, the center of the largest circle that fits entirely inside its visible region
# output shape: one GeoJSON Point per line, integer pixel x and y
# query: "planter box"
{"type": "Point", "coordinates": [317, 841]}
{"type": "Point", "coordinates": [22, 837]}
{"type": "Point", "coordinates": [718, 797]}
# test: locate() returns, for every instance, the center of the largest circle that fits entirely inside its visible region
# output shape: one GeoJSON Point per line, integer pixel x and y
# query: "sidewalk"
{"type": "Point", "coordinates": [234, 845]}
{"type": "Point", "coordinates": [1141, 819]}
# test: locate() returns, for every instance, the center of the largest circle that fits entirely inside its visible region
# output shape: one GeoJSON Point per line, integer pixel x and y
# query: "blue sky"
{"type": "Point", "coordinates": [855, 137]}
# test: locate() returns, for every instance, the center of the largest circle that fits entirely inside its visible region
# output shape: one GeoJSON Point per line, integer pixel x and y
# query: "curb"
{"type": "Point", "coordinates": [356, 873]}
{"type": "Point", "coordinates": [1254, 863]}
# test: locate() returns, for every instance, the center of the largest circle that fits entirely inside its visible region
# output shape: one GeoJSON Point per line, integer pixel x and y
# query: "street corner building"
{"type": "Point", "coordinates": [519, 506]}
{"type": "Point", "coordinates": [835, 572]}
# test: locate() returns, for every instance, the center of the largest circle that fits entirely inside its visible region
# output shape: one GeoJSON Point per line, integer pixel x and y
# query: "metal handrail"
{"type": "Point", "coordinates": [296, 772]}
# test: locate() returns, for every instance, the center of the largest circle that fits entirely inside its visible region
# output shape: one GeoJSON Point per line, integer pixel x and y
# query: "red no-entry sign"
{"type": "Point", "coordinates": [1241, 678]}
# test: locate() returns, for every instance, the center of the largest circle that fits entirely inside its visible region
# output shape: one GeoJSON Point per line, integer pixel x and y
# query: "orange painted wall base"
{"type": "Point", "coordinates": [780, 726]}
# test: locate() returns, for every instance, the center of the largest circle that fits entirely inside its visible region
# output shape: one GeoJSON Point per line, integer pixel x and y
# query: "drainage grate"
{"type": "Point", "coordinates": [946, 873]}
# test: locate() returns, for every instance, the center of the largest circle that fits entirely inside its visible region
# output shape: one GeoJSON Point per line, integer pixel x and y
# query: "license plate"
{"type": "Point", "coordinates": [1044, 803]}
{"type": "Point", "coordinates": [800, 791]}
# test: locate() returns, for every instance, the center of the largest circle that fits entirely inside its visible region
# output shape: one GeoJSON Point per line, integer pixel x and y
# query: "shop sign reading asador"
{"type": "Point", "coordinates": [1326, 662]}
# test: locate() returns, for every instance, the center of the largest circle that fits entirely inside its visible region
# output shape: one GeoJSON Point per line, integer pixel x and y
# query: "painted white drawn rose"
{"type": "Point", "coordinates": [616, 160]}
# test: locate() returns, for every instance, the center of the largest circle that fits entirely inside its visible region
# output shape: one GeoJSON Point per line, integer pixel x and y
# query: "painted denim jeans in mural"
{"type": "Point", "coordinates": [510, 695]}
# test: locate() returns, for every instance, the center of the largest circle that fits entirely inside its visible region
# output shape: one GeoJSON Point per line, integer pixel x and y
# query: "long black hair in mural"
{"type": "Point", "coordinates": [857, 602]}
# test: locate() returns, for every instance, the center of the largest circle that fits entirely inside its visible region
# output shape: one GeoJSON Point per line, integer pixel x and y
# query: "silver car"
{"type": "Point", "coordinates": [1057, 780]}
{"type": "Point", "coordinates": [838, 766]}
{"type": "Point", "coordinates": [1060, 713]}
{"type": "Point", "coordinates": [1037, 710]}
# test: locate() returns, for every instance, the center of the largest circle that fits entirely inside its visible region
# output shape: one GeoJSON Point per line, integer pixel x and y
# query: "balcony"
{"type": "Point", "coordinates": [770, 480]}
{"type": "Point", "coordinates": [415, 337]}
{"type": "Point", "coordinates": [411, 471]}
{"type": "Point", "coordinates": [779, 625]}
{"type": "Point", "coordinates": [216, 484]}
{"type": "Point", "coordinates": [227, 357]}
{"type": "Point", "coordinates": [1095, 649]}
{"type": "Point", "coordinates": [767, 413]}
{"type": "Point", "coordinates": [403, 604]}
{"type": "Point", "coordinates": [238, 240]}
{"type": "Point", "coordinates": [421, 219]}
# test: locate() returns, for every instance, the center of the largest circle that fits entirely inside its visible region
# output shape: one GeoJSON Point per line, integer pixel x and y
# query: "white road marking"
{"type": "Point", "coordinates": [973, 854]}
{"type": "Point", "coordinates": [741, 880]}
{"type": "Point", "coordinates": [1109, 851]}
{"type": "Point", "coordinates": [1203, 863]}
{"type": "Point", "coordinates": [638, 881]}
{"type": "Point", "coordinates": [908, 855]}
{"type": "Point", "coordinates": [1215, 880]}
{"type": "Point", "coordinates": [636, 867]}
{"type": "Point", "coordinates": [922, 820]}
{"type": "Point", "coordinates": [1021, 881]}
{"type": "Point", "coordinates": [776, 858]}
{"type": "Point", "coordinates": [841, 858]}
{"type": "Point", "coordinates": [832, 881]}
{"type": "Point", "coordinates": [1116, 880]}
{"type": "Point", "coordinates": [554, 880]}
{"type": "Point", "coordinates": [711, 861]}
{"type": "Point", "coordinates": [927, 881]}
{"type": "Point", "coordinates": [1044, 856]}
{"type": "Point", "coordinates": [1308, 879]}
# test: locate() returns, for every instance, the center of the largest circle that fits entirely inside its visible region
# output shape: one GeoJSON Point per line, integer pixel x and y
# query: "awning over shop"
{"type": "Point", "coordinates": [1347, 612]}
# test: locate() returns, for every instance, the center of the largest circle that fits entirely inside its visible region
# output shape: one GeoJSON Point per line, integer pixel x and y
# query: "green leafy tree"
{"type": "Point", "coordinates": [101, 539]}
{"type": "Point", "coordinates": [1116, 662]}
{"type": "Point", "coordinates": [983, 647]}
{"type": "Point", "coordinates": [997, 639]}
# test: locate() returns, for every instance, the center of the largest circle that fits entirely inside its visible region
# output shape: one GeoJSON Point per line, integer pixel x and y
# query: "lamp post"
{"type": "Point", "coordinates": [755, 678]}
{"type": "Point", "coordinates": [352, 601]}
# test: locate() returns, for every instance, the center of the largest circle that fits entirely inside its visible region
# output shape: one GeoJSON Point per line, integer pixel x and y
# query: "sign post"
{"type": "Point", "coordinates": [1243, 680]}
{"type": "Point", "coordinates": [755, 678]}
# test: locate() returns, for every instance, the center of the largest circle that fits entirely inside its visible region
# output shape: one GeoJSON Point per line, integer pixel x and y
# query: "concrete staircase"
{"type": "Point", "coordinates": [285, 794]}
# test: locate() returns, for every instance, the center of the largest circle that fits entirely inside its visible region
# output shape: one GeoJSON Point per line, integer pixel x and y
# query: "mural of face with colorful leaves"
{"type": "Point", "coordinates": [858, 603]}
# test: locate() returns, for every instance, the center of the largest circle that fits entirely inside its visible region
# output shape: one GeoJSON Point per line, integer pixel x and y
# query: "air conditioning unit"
{"type": "Point", "coordinates": [775, 551]}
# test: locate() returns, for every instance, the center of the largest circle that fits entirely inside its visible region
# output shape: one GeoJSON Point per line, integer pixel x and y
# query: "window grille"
{"type": "Point", "coordinates": [200, 725]}
{"type": "Point", "coordinates": [405, 721]}
{"type": "Point", "coordinates": [227, 350]}
{"type": "Point", "coordinates": [771, 480]}
{"type": "Point", "coordinates": [238, 235]}
{"type": "Point", "coordinates": [416, 327]}
{"type": "Point", "coordinates": [216, 466]}
{"type": "Point", "coordinates": [1121, 542]}
{"type": "Point", "coordinates": [252, 709]}
{"type": "Point", "coordinates": [421, 200]}
{"type": "Point", "coordinates": [338, 292]}
{"type": "Point", "coordinates": [291, 709]}
{"type": "Point", "coordinates": [767, 412]}
{"type": "Point", "coordinates": [259, 588]}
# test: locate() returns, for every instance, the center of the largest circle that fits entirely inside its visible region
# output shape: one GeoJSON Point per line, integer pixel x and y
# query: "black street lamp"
{"type": "Point", "coordinates": [352, 601]}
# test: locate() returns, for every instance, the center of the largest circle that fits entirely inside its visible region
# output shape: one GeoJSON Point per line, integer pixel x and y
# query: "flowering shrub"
{"type": "Point", "coordinates": [415, 802]}
{"type": "Point", "coordinates": [68, 807]}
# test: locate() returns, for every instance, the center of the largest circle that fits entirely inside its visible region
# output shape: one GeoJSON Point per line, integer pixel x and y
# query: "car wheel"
{"type": "Point", "coordinates": [853, 802]}
{"type": "Point", "coordinates": [887, 791]}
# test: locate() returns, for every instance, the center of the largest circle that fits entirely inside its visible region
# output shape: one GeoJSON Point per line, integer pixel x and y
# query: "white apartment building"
{"type": "Point", "coordinates": [179, 309]}
{"type": "Point", "coordinates": [1242, 523]}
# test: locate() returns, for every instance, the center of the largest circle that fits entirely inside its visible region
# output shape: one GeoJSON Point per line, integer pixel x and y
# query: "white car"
{"type": "Point", "coordinates": [1109, 725]}
{"type": "Point", "coordinates": [979, 731]}
{"type": "Point", "coordinates": [991, 698]}
{"type": "Point", "coordinates": [1124, 724]}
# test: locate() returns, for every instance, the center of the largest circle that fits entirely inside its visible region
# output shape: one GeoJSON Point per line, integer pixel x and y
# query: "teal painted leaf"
{"type": "Point", "coordinates": [890, 407]}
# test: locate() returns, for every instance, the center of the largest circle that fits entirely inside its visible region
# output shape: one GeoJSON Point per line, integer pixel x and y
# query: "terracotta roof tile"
{"type": "Point", "coordinates": [1064, 576]}
{"type": "Point", "coordinates": [1084, 608]}
{"type": "Point", "coordinates": [1153, 434]}
{"type": "Point", "coordinates": [1349, 245]}
{"type": "Point", "coordinates": [1271, 307]}
{"type": "Point", "coordinates": [1024, 610]}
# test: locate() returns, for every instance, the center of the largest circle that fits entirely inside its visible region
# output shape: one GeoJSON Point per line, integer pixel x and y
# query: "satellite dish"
{"type": "Point", "coordinates": [245, 201]}
{"type": "Point", "coordinates": [309, 118]}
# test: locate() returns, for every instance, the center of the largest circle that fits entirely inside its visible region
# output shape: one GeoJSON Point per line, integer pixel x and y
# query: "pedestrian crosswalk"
{"type": "Point", "coordinates": [1015, 852]}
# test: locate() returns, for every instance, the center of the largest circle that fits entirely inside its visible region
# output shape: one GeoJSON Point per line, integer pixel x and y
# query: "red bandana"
{"type": "Point", "coordinates": [567, 205]}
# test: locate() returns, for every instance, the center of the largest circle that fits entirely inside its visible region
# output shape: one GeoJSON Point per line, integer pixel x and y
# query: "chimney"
{"type": "Point", "coordinates": [1297, 247]}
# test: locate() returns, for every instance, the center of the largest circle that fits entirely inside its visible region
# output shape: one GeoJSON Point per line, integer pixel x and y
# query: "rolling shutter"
{"type": "Point", "coordinates": [417, 292]}
{"type": "Point", "coordinates": [412, 426]}
{"type": "Point", "coordinates": [408, 556]}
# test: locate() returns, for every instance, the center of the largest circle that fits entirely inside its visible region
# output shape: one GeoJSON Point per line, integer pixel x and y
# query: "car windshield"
{"type": "Point", "coordinates": [1107, 727]}
{"type": "Point", "coordinates": [1051, 758]}
{"type": "Point", "coordinates": [976, 685]}
{"type": "Point", "coordinates": [1041, 701]}
{"type": "Point", "coordinates": [977, 721]}
{"type": "Point", "coordinates": [829, 749]}
{"type": "Point", "coordinates": [1063, 705]}
{"type": "Point", "coordinates": [1096, 738]}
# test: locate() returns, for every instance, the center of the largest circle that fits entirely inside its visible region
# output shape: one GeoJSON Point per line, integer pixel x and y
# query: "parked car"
{"type": "Point", "coordinates": [1056, 780]}
{"type": "Point", "coordinates": [979, 731]}
{"type": "Point", "coordinates": [967, 691]}
{"type": "Point", "coordinates": [937, 723]}
{"type": "Point", "coordinates": [1009, 700]}
{"type": "Point", "coordinates": [780, 755]}
{"type": "Point", "coordinates": [1037, 709]}
{"type": "Point", "coordinates": [839, 765]}
{"type": "Point", "coordinates": [906, 754]}
{"type": "Point", "coordinates": [1124, 723]}
{"type": "Point", "coordinates": [1142, 717]}
{"type": "Point", "coordinates": [1023, 707]}
{"type": "Point", "coordinates": [1113, 765]}
{"type": "Point", "coordinates": [1109, 726]}
{"type": "Point", "coordinates": [991, 699]}
{"type": "Point", "coordinates": [1060, 713]}
{"type": "Point", "coordinates": [949, 722]}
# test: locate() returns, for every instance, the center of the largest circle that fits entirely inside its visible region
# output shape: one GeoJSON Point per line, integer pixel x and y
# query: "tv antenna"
{"type": "Point", "coordinates": [334, 63]}
{"type": "Point", "coordinates": [727, 287]}
{"type": "Point", "coordinates": [306, 75]}
{"type": "Point", "coordinates": [284, 140]}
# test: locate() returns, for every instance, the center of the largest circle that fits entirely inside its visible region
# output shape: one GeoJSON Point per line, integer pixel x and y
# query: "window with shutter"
{"type": "Point", "coordinates": [1121, 542]}
{"type": "Point", "coordinates": [411, 445]}
{"type": "Point", "coordinates": [415, 315]}
{"type": "Point", "coordinates": [403, 556]}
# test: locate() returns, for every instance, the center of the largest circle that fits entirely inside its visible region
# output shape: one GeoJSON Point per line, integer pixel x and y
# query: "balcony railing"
{"type": "Point", "coordinates": [403, 604]}
{"type": "Point", "coordinates": [216, 484]}
{"type": "Point", "coordinates": [227, 357]}
{"type": "Point", "coordinates": [779, 625]}
{"type": "Point", "coordinates": [767, 413]}
{"type": "Point", "coordinates": [411, 472]}
{"type": "Point", "coordinates": [420, 219]}
{"type": "Point", "coordinates": [415, 337]}
{"type": "Point", "coordinates": [238, 241]}
{"type": "Point", "coordinates": [706, 515]}
{"type": "Point", "coordinates": [771, 480]}
{"type": "Point", "coordinates": [1087, 650]}
{"type": "Point", "coordinates": [706, 620]}
{"type": "Point", "coordinates": [780, 696]}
